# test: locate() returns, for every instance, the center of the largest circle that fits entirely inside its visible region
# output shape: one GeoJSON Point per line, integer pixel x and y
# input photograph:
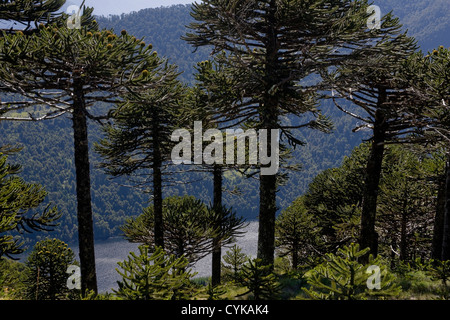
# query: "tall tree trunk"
{"type": "Point", "coordinates": [404, 225]}
{"type": "Point", "coordinates": [438, 230]}
{"type": "Point", "coordinates": [157, 184]}
{"type": "Point", "coordinates": [269, 120]}
{"type": "Point", "coordinates": [368, 236]}
{"type": "Point", "coordinates": [295, 255]}
{"type": "Point", "coordinates": [217, 245]}
{"type": "Point", "coordinates": [83, 187]}
{"type": "Point", "coordinates": [403, 237]}
{"type": "Point", "coordinates": [267, 213]}
{"type": "Point", "coordinates": [446, 233]}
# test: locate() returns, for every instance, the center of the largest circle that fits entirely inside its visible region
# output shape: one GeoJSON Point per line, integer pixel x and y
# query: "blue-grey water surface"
{"type": "Point", "coordinates": [108, 253]}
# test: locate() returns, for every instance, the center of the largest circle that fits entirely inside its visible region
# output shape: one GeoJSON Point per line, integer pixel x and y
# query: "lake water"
{"type": "Point", "coordinates": [108, 253]}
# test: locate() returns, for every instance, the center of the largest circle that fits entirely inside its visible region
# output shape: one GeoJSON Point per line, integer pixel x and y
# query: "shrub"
{"type": "Point", "coordinates": [342, 277]}
{"type": "Point", "coordinates": [234, 259]}
{"type": "Point", "coordinates": [259, 280]}
{"type": "Point", "coordinates": [46, 276]}
{"type": "Point", "coordinates": [11, 278]}
{"type": "Point", "coordinates": [155, 276]}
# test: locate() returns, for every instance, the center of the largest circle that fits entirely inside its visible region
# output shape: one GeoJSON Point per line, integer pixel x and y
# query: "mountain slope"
{"type": "Point", "coordinates": [427, 21]}
{"type": "Point", "coordinates": [48, 146]}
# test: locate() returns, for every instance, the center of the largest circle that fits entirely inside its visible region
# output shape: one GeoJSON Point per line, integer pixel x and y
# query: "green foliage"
{"type": "Point", "coordinates": [46, 276]}
{"type": "Point", "coordinates": [155, 276]}
{"type": "Point", "coordinates": [18, 203]}
{"type": "Point", "coordinates": [29, 12]}
{"type": "Point", "coordinates": [405, 203]}
{"type": "Point", "coordinates": [11, 279]}
{"type": "Point", "coordinates": [259, 279]}
{"type": "Point", "coordinates": [225, 225]}
{"type": "Point", "coordinates": [163, 27]}
{"type": "Point", "coordinates": [434, 81]}
{"type": "Point", "coordinates": [326, 218]}
{"type": "Point", "coordinates": [342, 277]}
{"type": "Point", "coordinates": [233, 261]}
{"type": "Point", "coordinates": [274, 81]}
{"type": "Point", "coordinates": [68, 53]}
{"type": "Point", "coordinates": [333, 199]}
{"type": "Point", "coordinates": [142, 124]}
{"type": "Point", "coordinates": [112, 202]}
{"type": "Point", "coordinates": [296, 233]}
{"type": "Point", "coordinates": [187, 231]}
{"type": "Point", "coordinates": [85, 66]}
{"type": "Point", "coordinates": [420, 279]}
{"type": "Point", "coordinates": [441, 270]}
{"type": "Point", "coordinates": [215, 292]}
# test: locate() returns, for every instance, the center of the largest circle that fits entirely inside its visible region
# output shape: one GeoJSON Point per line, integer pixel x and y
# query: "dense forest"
{"type": "Point", "coordinates": [335, 188]}
{"type": "Point", "coordinates": [114, 202]}
{"type": "Point", "coordinates": [163, 27]}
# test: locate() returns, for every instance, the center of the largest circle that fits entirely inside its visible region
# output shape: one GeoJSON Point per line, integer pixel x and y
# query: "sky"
{"type": "Point", "coordinates": [107, 7]}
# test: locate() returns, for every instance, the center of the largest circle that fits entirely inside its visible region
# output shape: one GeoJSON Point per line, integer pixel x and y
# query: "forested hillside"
{"type": "Point", "coordinates": [345, 170]}
{"type": "Point", "coordinates": [48, 147]}
{"type": "Point", "coordinates": [427, 21]}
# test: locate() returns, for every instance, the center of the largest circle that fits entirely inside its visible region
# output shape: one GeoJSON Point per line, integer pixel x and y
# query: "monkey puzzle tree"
{"type": "Point", "coordinates": [296, 233]}
{"type": "Point", "coordinates": [389, 108]}
{"type": "Point", "coordinates": [26, 12]}
{"type": "Point", "coordinates": [342, 277]}
{"type": "Point", "coordinates": [189, 227]}
{"type": "Point", "coordinates": [155, 275]}
{"type": "Point", "coordinates": [138, 143]}
{"type": "Point", "coordinates": [60, 71]}
{"type": "Point", "coordinates": [407, 197]}
{"type": "Point", "coordinates": [434, 87]}
{"type": "Point", "coordinates": [17, 200]}
{"type": "Point", "coordinates": [46, 275]}
{"type": "Point", "coordinates": [277, 50]}
{"type": "Point", "coordinates": [212, 91]}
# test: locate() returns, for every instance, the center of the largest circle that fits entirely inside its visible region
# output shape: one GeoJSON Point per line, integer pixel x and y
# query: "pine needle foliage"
{"type": "Point", "coordinates": [259, 279]}
{"type": "Point", "coordinates": [19, 203]}
{"type": "Point", "coordinates": [46, 276]}
{"type": "Point", "coordinates": [233, 261]}
{"type": "Point", "coordinates": [343, 277]}
{"type": "Point", "coordinates": [278, 51]}
{"type": "Point", "coordinates": [30, 13]}
{"type": "Point", "coordinates": [186, 228]}
{"type": "Point", "coordinates": [154, 276]}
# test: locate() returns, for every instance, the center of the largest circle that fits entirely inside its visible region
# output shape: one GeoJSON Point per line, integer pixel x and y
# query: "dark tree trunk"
{"type": "Point", "coordinates": [403, 237]}
{"type": "Point", "coordinates": [404, 226]}
{"type": "Point", "coordinates": [267, 213]}
{"type": "Point", "coordinates": [217, 245]}
{"type": "Point", "coordinates": [83, 187]}
{"type": "Point", "coordinates": [157, 184]}
{"type": "Point", "coordinates": [368, 236]}
{"type": "Point", "coordinates": [446, 233]}
{"type": "Point", "coordinates": [295, 255]}
{"type": "Point", "coordinates": [269, 120]}
{"type": "Point", "coordinates": [438, 230]}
